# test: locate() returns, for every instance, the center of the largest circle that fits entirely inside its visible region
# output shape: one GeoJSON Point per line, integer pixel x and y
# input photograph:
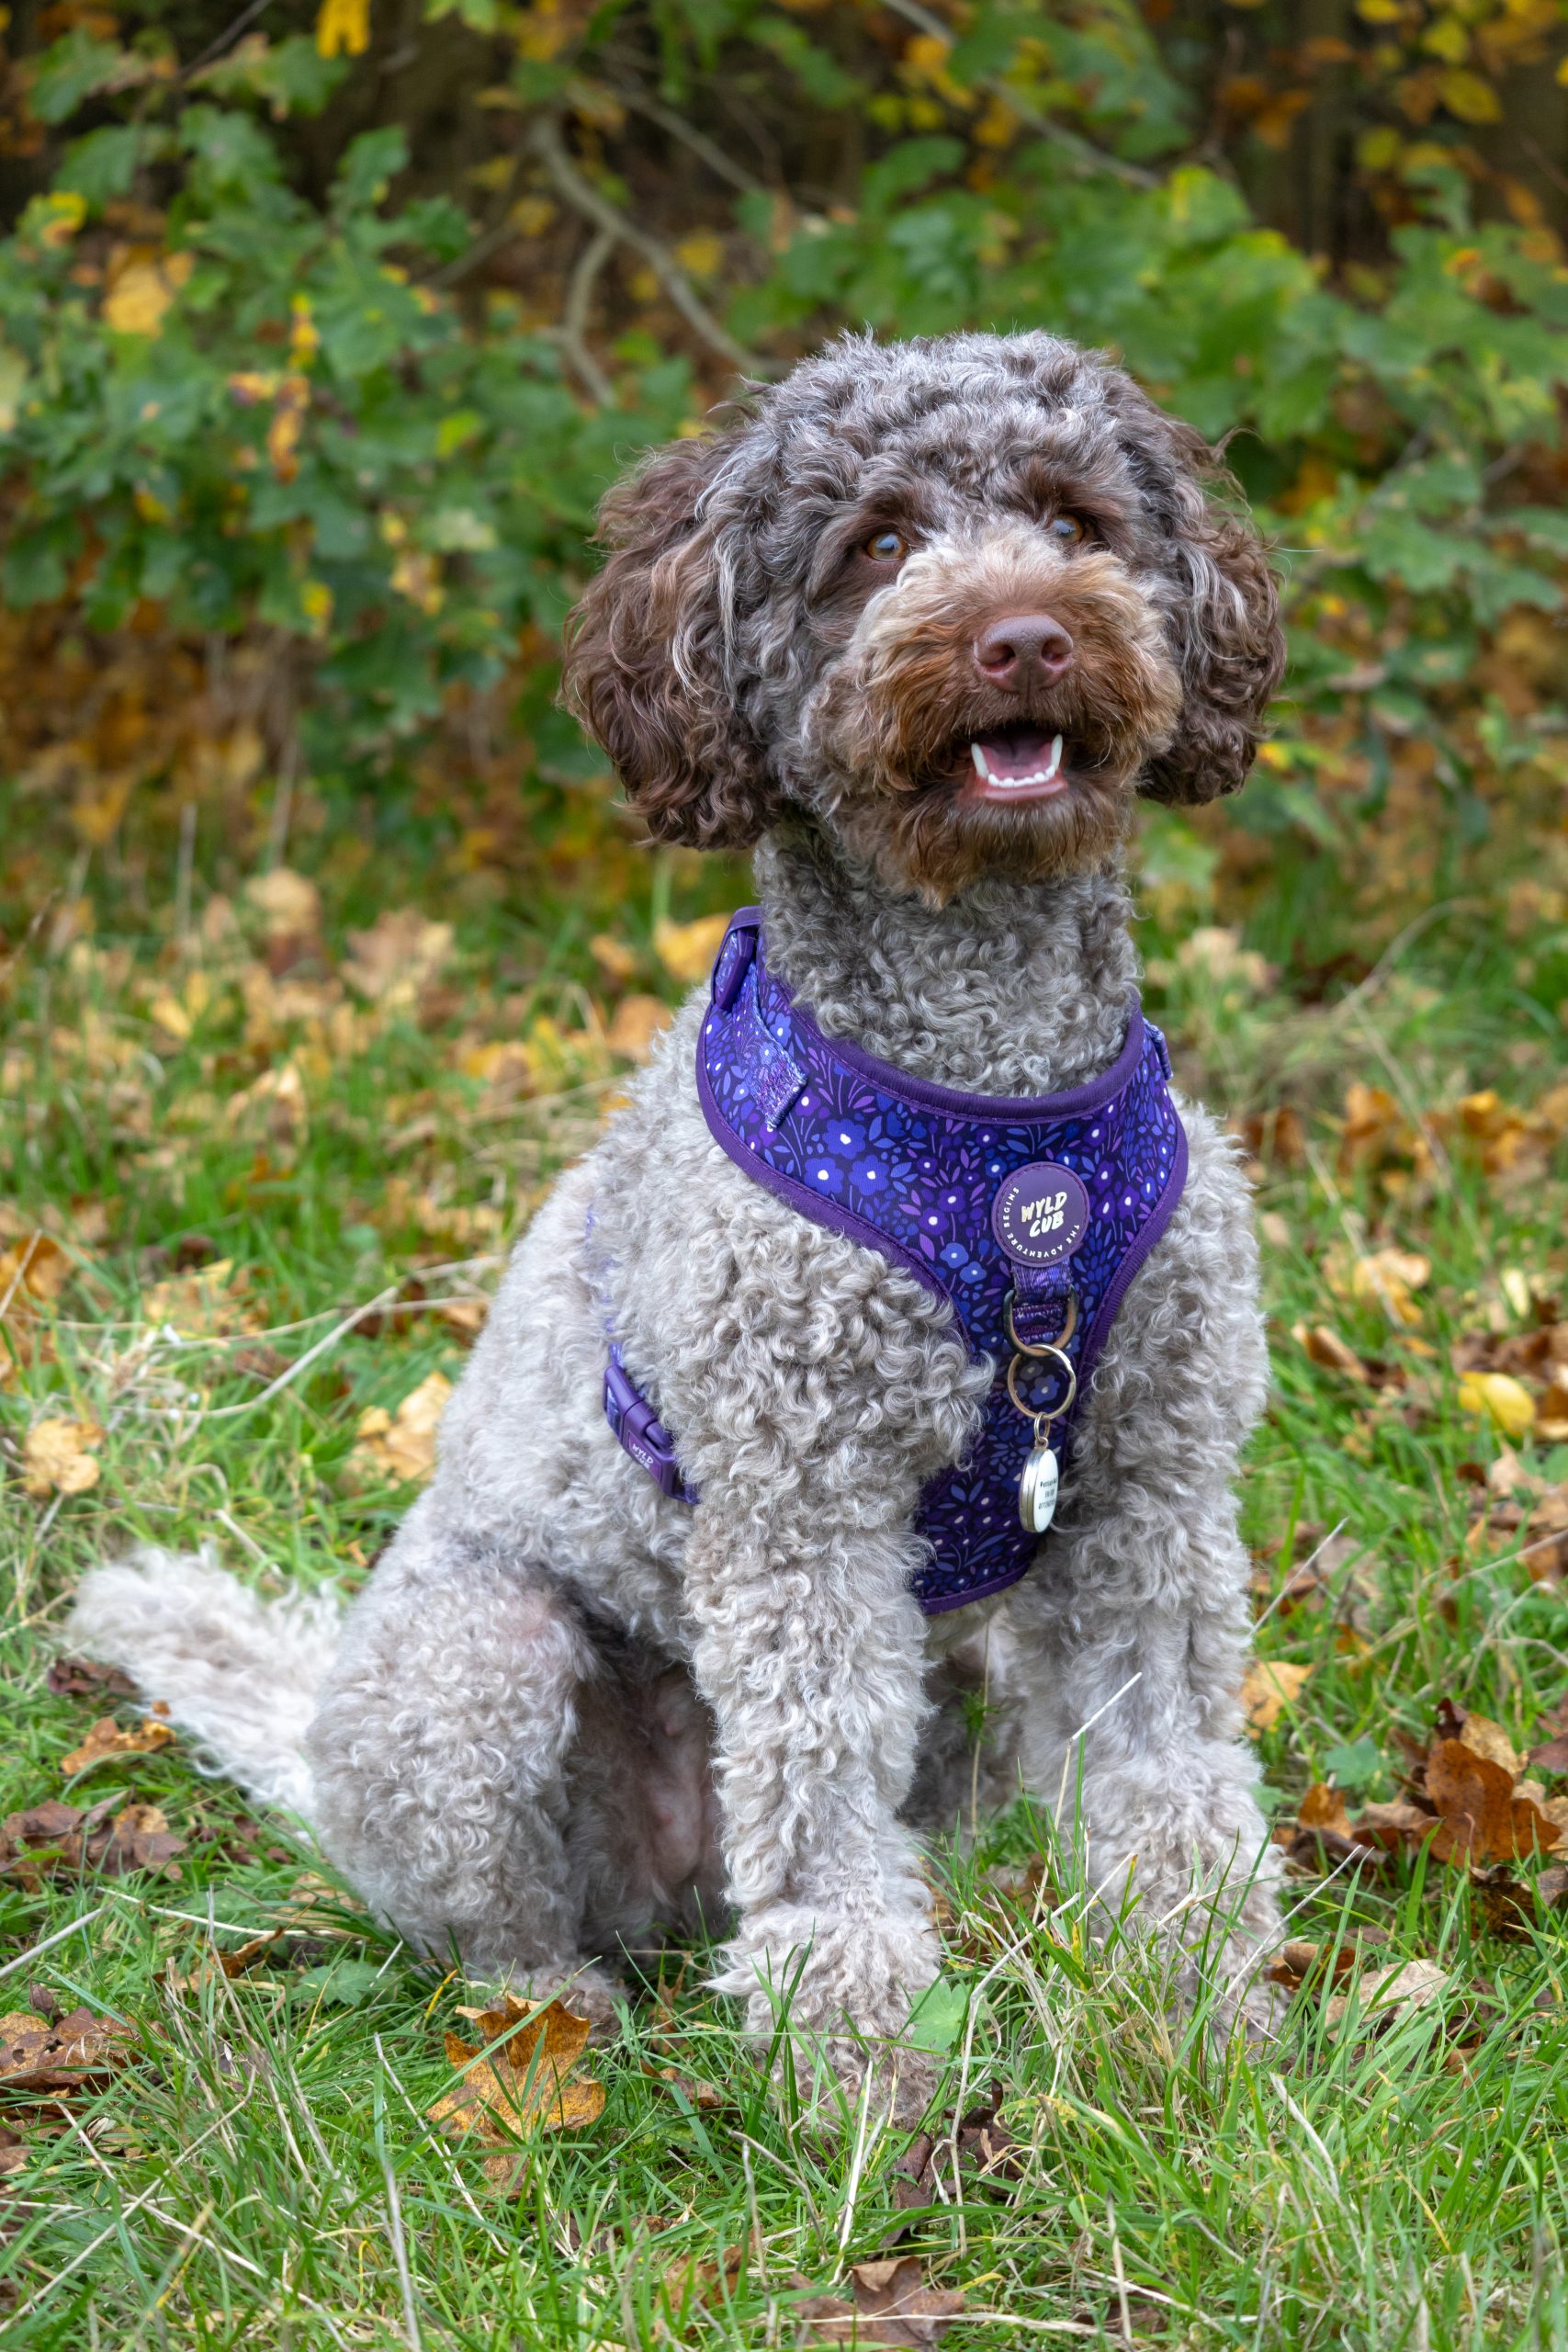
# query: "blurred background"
{"type": "Point", "coordinates": [321, 333]}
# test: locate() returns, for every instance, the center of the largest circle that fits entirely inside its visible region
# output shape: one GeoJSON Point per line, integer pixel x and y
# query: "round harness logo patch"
{"type": "Point", "coordinates": [1040, 1214]}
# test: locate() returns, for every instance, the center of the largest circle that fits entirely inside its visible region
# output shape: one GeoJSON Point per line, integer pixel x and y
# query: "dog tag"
{"type": "Point", "coordinates": [1037, 1490]}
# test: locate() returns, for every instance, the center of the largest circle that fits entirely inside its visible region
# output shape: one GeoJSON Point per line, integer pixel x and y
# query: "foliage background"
{"type": "Point", "coordinates": [319, 335]}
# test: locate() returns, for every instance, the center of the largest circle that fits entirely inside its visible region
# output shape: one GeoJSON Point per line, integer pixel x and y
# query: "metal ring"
{"type": "Point", "coordinates": [1063, 1336]}
{"type": "Point", "coordinates": [1056, 1410]}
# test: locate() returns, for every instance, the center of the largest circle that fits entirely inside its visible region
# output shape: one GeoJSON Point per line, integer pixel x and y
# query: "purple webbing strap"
{"type": "Point", "coordinates": [640, 1432]}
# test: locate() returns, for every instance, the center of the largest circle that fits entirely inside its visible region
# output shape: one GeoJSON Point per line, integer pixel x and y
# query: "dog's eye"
{"type": "Point", "coordinates": [887, 547]}
{"type": "Point", "coordinates": [1067, 531]}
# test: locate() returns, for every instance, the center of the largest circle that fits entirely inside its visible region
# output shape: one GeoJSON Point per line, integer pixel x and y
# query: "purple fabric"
{"type": "Point", "coordinates": [983, 1198]}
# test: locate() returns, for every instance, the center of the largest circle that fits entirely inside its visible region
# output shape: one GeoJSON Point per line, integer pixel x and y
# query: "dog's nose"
{"type": "Point", "coordinates": [1023, 651]}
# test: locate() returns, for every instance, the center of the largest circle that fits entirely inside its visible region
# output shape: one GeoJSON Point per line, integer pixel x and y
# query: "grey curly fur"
{"type": "Point", "coordinates": [566, 1710]}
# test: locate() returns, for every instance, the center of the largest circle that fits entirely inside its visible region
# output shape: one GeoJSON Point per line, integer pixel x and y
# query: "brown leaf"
{"type": "Point", "coordinates": [37, 2055]}
{"type": "Point", "coordinates": [892, 2306]}
{"type": "Point", "coordinates": [691, 2280]}
{"type": "Point", "coordinates": [1483, 1818]}
{"type": "Point", "coordinates": [523, 2084]}
{"type": "Point", "coordinates": [87, 1677]}
{"type": "Point", "coordinates": [1326, 1348]}
{"type": "Point", "coordinates": [106, 1741]}
{"type": "Point", "coordinates": [1552, 1755]}
{"type": "Point", "coordinates": [1322, 1807]}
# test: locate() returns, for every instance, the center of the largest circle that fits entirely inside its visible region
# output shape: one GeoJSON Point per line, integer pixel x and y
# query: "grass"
{"type": "Point", "coordinates": [263, 2171]}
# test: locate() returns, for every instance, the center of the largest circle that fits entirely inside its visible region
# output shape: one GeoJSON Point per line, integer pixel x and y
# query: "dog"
{"type": "Point", "coordinates": [917, 625]}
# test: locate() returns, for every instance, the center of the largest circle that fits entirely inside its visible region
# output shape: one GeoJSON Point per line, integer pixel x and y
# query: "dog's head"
{"type": "Point", "coordinates": [958, 599]}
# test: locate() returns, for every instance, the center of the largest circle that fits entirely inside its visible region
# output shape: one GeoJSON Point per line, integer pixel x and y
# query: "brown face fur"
{"type": "Point", "coordinates": [756, 647]}
{"type": "Point", "coordinates": [894, 720]}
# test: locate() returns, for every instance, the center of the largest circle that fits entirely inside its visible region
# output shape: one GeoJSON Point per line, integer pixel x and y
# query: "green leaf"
{"type": "Point", "coordinates": [70, 70]}
{"type": "Point", "coordinates": [937, 2018]}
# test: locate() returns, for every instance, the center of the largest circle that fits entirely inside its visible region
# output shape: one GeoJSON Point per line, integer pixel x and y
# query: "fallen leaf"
{"type": "Point", "coordinates": [1483, 1737]}
{"type": "Point", "coordinates": [1483, 1816]}
{"type": "Point", "coordinates": [1499, 1398]}
{"type": "Point", "coordinates": [1387, 1278]}
{"type": "Point", "coordinates": [207, 1303]}
{"type": "Point", "coordinates": [289, 906]}
{"type": "Point", "coordinates": [692, 2279]}
{"type": "Point", "coordinates": [1552, 1755]}
{"type": "Point", "coordinates": [57, 1457]}
{"type": "Point", "coordinates": [1322, 1807]}
{"type": "Point", "coordinates": [637, 1021]}
{"type": "Point", "coordinates": [402, 1445]}
{"type": "Point", "coordinates": [615, 958]}
{"type": "Point", "coordinates": [892, 2306]}
{"type": "Point", "coordinates": [1326, 1348]}
{"type": "Point", "coordinates": [524, 2083]}
{"type": "Point", "coordinates": [86, 1677]}
{"type": "Point", "coordinates": [397, 957]}
{"type": "Point", "coordinates": [1374, 1130]}
{"type": "Point", "coordinates": [1385, 1994]}
{"type": "Point", "coordinates": [1269, 1687]}
{"type": "Point", "coordinates": [106, 1741]}
{"type": "Point", "coordinates": [39, 2056]}
{"type": "Point", "coordinates": [686, 950]}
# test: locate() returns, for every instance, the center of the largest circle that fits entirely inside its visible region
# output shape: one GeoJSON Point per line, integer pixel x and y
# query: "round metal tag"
{"type": "Point", "coordinates": [1040, 1215]}
{"type": "Point", "coordinates": [1037, 1490]}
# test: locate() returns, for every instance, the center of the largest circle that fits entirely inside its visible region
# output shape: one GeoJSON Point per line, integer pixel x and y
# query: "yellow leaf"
{"type": "Point", "coordinates": [1268, 1689]}
{"type": "Point", "coordinates": [106, 1741]}
{"type": "Point", "coordinates": [57, 1457]}
{"type": "Point", "coordinates": [1497, 1396]}
{"type": "Point", "coordinates": [342, 28]}
{"type": "Point", "coordinates": [1387, 1277]}
{"type": "Point", "coordinates": [136, 302]}
{"type": "Point", "coordinates": [686, 950]}
{"type": "Point", "coordinates": [613, 955]}
{"type": "Point", "coordinates": [1468, 97]}
{"type": "Point", "coordinates": [402, 1445]}
{"type": "Point", "coordinates": [701, 254]}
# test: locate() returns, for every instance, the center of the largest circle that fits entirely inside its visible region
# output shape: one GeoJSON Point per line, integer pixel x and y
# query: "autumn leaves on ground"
{"type": "Point", "coordinates": [263, 1150]}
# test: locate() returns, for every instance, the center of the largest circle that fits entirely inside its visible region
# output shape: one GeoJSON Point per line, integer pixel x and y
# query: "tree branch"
{"type": "Point", "coordinates": [584, 197]}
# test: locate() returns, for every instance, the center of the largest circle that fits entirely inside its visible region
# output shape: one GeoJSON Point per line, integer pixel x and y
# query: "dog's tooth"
{"type": "Point", "coordinates": [978, 756]}
{"type": "Point", "coordinates": [1056, 756]}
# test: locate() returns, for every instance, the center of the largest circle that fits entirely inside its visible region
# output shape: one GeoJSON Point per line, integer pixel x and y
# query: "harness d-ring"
{"type": "Point", "coordinates": [1065, 1362]}
{"type": "Point", "coordinates": [1023, 1347]}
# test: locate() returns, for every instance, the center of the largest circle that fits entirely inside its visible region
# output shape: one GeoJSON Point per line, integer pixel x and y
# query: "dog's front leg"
{"type": "Point", "coordinates": [1133, 1630]}
{"type": "Point", "coordinates": [809, 1651]}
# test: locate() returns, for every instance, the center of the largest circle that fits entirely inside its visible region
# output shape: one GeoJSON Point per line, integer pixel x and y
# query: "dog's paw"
{"type": "Point", "coordinates": [835, 1996]}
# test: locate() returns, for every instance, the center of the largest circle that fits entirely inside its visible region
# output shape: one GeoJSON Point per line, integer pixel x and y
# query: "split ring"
{"type": "Point", "coordinates": [1056, 1412]}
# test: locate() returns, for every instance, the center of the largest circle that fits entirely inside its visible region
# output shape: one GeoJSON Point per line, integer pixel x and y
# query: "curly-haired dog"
{"type": "Point", "coordinates": [918, 623]}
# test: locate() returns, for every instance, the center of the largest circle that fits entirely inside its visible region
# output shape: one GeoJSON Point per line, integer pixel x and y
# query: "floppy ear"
{"type": "Point", "coordinates": [1230, 646]}
{"type": "Point", "coordinates": [645, 658]}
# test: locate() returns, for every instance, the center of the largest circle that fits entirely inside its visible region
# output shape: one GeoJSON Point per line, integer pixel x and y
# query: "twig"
{"type": "Point", "coordinates": [701, 145]}
{"type": "Point", "coordinates": [184, 867]}
{"type": "Point", "coordinates": [572, 332]}
{"type": "Point", "coordinates": [547, 144]}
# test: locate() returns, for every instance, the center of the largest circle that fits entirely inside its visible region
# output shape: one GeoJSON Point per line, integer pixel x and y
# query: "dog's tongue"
{"type": "Point", "coordinates": [1018, 752]}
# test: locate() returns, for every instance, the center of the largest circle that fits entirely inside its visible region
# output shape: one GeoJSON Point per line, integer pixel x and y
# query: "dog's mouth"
{"type": "Point", "coordinates": [1019, 763]}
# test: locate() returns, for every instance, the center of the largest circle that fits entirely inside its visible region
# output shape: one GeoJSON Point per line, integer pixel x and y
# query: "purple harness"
{"type": "Point", "coordinates": [1030, 1214]}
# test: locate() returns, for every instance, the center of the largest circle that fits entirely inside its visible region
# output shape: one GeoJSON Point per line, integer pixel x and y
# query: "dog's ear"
{"type": "Point", "coordinates": [1229, 642]}
{"type": "Point", "coordinates": [646, 668]}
